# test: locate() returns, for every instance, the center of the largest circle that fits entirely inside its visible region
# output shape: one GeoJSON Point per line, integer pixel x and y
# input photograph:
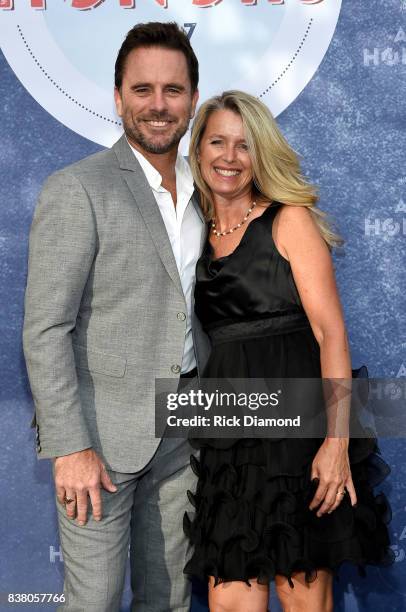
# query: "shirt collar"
{"type": "Point", "coordinates": [154, 178]}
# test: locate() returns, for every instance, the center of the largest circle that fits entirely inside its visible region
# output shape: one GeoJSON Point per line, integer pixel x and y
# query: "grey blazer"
{"type": "Point", "coordinates": [104, 311]}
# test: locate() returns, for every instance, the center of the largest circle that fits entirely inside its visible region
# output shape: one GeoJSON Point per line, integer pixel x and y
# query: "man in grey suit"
{"type": "Point", "coordinates": [113, 248]}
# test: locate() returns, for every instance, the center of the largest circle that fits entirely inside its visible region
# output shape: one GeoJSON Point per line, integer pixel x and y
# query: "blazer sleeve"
{"type": "Point", "coordinates": [62, 248]}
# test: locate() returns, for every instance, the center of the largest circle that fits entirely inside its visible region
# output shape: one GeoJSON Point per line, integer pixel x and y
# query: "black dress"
{"type": "Point", "coordinates": [252, 518]}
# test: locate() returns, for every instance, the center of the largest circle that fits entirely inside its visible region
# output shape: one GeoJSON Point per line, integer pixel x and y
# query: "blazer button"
{"type": "Point", "coordinates": [175, 368]}
{"type": "Point", "coordinates": [181, 316]}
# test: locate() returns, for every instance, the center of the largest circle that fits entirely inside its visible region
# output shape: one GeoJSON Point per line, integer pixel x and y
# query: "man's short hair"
{"type": "Point", "coordinates": [157, 34]}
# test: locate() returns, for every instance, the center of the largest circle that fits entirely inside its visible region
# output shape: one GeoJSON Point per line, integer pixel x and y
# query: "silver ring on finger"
{"type": "Point", "coordinates": [69, 500]}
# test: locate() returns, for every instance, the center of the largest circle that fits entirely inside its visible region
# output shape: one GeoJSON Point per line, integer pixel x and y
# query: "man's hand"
{"type": "Point", "coordinates": [78, 476]}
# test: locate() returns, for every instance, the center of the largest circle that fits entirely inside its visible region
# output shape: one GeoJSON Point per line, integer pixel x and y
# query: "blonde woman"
{"type": "Point", "coordinates": [291, 510]}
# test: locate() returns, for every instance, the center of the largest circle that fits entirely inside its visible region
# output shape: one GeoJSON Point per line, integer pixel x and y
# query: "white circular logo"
{"type": "Point", "coordinates": [64, 52]}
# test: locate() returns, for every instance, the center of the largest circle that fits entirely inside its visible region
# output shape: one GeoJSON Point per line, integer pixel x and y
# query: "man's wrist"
{"type": "Point", "coordinates": [72, 453]}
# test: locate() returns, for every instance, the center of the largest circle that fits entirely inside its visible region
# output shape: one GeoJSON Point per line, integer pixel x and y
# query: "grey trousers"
{"type": "Point", "coordinates": [146, 514]}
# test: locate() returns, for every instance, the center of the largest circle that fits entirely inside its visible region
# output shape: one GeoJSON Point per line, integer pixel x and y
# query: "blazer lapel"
{"type": "Point", "coordinates": [196, 204]}
{"type": "Point", "coordinates": [144, 198]}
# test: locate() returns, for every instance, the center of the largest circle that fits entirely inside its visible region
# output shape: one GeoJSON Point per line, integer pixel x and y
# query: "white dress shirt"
{"type": "Point", "coordinates": [184, 228]}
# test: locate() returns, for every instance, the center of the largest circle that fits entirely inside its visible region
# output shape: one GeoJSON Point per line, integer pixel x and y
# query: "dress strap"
{"type": "Point", "coordinates": [273, 209]}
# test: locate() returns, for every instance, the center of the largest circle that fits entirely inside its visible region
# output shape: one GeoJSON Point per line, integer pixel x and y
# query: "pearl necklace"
{"type": "Point", "coordinates": [230, 231]}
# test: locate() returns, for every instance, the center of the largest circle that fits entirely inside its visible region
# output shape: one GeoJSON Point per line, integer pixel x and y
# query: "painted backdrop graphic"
{"type": "Point", "coordinates": [64, 52]}
{"type": "Point", "coordinates": [335, 77]}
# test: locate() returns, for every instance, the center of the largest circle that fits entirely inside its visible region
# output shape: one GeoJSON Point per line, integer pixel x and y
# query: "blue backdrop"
{"type": "Point", "coordinates": [348, 124]}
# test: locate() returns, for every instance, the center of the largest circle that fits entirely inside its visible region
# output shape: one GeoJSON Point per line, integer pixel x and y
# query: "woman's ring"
{"type": "Point", "coordinates": [341, 492]}
{"type": "Point", "coordinates": [68, 500]}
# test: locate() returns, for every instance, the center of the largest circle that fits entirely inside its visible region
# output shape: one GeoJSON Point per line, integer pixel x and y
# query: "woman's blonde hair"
{"type": "Point", "coordinates": [276, 169]}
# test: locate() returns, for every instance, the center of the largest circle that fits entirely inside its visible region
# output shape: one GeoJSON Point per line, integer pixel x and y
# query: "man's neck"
{"type": "Point", "coordinates": [164, 163]}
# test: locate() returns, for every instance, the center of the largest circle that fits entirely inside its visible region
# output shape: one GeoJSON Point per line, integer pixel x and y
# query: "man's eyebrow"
{"type": "Point", "coordinates": [136, 85]}
{"type": "Point", "coordinates": [176, 86]}
{"type": "Point", "coordinates": [173, 85]}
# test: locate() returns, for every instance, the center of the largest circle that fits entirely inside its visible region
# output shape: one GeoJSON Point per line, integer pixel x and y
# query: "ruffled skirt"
{"type": "Point", "coordinates": [252, 518]}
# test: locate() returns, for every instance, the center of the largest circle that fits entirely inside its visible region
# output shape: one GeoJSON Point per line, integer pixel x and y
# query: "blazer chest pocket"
{"type": "Point", "coordinates": [99, 362]}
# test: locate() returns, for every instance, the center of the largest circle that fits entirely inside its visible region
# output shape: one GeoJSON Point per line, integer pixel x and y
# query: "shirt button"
{"type": "Point", "coordinates": [181, 316]}
{"type": "Point", "coordinates": [175, 368]}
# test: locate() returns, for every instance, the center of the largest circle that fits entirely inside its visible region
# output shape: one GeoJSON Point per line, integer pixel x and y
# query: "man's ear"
{"type": "Point", "coordinates": [118, 101]}
{"type": "Point", "coordinates": [195, 99]}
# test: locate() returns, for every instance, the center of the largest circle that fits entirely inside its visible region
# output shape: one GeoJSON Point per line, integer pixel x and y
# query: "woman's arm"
{"type": "Point", "coordinates": [298, 239]}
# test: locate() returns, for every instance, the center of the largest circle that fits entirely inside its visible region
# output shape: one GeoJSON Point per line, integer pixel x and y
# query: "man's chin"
{"type": "Point", "coordinates": [160, 147]}
{"type": "Point", "coordinates": [157, 145]}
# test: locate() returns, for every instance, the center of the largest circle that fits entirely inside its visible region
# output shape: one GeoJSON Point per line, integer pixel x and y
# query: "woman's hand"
{"type": "Point", "coordinates": [331, 467]}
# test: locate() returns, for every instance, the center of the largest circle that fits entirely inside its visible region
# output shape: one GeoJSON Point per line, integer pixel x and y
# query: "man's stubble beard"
{"type": "Point", "coordinates": [135, 135]}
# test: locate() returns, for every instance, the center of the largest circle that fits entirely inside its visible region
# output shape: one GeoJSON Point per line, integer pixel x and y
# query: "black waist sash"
{"type": "Point", "coordinates": [258, 328]}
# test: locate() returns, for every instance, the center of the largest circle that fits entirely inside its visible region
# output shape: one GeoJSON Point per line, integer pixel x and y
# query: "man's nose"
{"type": "Point", "coordinates": [158, 102]}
